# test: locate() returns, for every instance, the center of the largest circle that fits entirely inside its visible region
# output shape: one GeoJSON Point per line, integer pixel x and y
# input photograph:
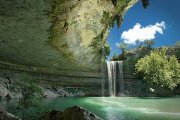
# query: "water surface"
{"type": "Point", "coordinates": [120, 108]}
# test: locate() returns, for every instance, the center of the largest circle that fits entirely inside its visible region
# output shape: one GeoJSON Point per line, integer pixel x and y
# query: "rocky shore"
{"type": "Point", "coordinates": [8, 90]}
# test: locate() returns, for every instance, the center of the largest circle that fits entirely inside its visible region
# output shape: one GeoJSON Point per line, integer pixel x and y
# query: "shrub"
{"type": "Point", "coordinates": [31, 92]}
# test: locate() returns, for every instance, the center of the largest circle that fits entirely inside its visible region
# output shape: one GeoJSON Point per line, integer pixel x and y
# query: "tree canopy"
{"type": "Point", "coordinates": [149, 43]}
{"type": "Point", "coordinates": [177, 45]}
{"type": "Point", "coordinates": [160, 69]}
{"type": "Point", "coordinates": [123, 46]}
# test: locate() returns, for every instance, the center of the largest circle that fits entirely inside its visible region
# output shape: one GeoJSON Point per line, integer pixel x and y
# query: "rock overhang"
{"type": "Point", "coordinates": [57, 36]}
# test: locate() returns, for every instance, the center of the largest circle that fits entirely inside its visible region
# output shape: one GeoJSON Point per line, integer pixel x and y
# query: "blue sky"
{"type": "Point", "coordinates": [158, 11]}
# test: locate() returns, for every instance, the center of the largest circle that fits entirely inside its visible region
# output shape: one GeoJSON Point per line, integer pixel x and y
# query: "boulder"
{"type": "Point", "coordinates": [52, 115]}
{"type": "Point", "coordinates": [7, 116]}
{"type": "Point", "coordinates": [72, 113]}
{"type": "Point", "coordinates": [3, 91]}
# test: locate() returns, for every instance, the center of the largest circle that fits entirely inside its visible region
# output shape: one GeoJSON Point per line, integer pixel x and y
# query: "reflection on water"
{"type": "Point", "coordinates": [139, 109]}
{"type": "Point", "coordinates": [117, 108]}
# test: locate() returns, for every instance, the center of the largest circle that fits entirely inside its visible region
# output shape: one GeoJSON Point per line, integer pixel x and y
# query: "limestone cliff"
{"type": "Point", "coordinates": [62, 37]}
{"type": "Point", "coordinates": [56, 33]}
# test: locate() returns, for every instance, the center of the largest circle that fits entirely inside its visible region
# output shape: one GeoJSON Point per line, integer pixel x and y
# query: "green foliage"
{"type": "Point", "coordinates": [175, 68]}
{"type": "Point", "coordinates": [142, 51]}
{"type": "Point", "coordinates": [28, 113]}
{"type": "Point", "coordinates": [100, 46]}
{"type": "Point", "coordinates": [106, 17]}
{"type": "Point", "coordinates": [123, 46]}
{"type": "Point", "coordinates": [176, 49]}
{"type": "Point", "coordinates": [149, 43]}
{"type": "Point", "coordinates": [129, 64]}
{"type": "Point", "coordinates": [177, 45]}
{"type": "Point", "coordinates": [122, 57]}
{"type": "Point", "coordinates": [115, 57]}
{"type": "Point", "coordinates": [31, 92]}
{"type": "Point", "coordinates": [120, 5]}
{"type": "Point", "coordinates": [159, 69]}
{"type": "Point", "coordinates": [118, 20]}
{"type": "Point", "coordinates": [107, 49]}
{"type": "Point", "coordinates": [30, 105]}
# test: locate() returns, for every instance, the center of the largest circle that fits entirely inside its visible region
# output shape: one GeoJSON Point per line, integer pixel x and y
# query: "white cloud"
{"type": "Point", "coordinates": [139, 33]}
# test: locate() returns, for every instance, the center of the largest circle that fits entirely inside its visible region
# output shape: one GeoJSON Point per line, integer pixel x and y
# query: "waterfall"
{"type": "Point", "coordinates": [111, 65]}
{"type": "Point", "coordinates": [121, 80]}
{"type": "Point", "coordinates": [115, 77]}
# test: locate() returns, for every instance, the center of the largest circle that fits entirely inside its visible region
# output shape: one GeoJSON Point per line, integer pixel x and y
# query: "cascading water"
{"type": "Point", "coordinates": [112, 77]}
{"type": "Point", "coordinates": [115, 78]}
{"type": "Point", "coordinates": [121, 80]}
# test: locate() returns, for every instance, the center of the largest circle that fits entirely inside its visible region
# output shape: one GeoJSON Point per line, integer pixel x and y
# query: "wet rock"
{"type": "Point", "coordinates": [49, 93]}
{"type": "Point", "coordinates": [52, 115]}
{"type": "Point", "coordinates": [6, 91]}
{"type": "Point", "coordinates": [80, 93]}
{"type": "Point", "coordinates": [7, 116]}
{"type": "Point", "coordinates": [3, 88]}
{"type": "Point", "coordinates": [13, 95]}
{"type": "Point", "coordinates": [72, 113]}
{"type": "Point", "coordinates": [62, 92]}
{"type": "Point", "coordinates": [126, 92]}
{"type": "Point", "coordinates": [3, 91]}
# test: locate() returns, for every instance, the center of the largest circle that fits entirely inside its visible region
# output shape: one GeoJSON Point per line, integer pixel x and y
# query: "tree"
{"type": "Point", "coordinates": [177, 49]}
{"type": "Point", "coordinates": [123, 46]}
{"type": "Point", "coordinates": [158, 69]}
{"type": "Point", "coordinates": [177, 44]}
{"type": "Point", "coordinates": [114, 57]}
{"type": "Point", "coordinates": [149, 43]}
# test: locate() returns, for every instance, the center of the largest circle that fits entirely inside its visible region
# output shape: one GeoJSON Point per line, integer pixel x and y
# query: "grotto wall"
{"type": "Point", "coordinates": [65, 38]}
